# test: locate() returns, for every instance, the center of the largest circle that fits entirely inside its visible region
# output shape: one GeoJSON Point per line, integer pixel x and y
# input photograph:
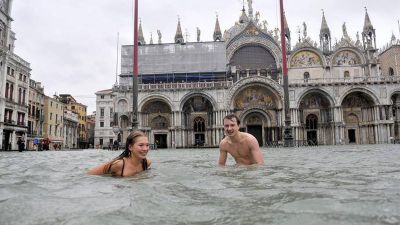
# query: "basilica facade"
{"type": "Point", "coordinates": [338, 93]}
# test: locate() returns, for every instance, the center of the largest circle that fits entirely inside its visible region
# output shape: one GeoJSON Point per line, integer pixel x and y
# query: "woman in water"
{"type": "Point", "coordinates": [131, 162]}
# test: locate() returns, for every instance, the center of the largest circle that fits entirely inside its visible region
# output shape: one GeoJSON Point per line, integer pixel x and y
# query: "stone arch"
{"type": "Point", "coordinates": [365, 91]}
{"type": "Point", "coordinates": [268, 83]}
{"type": "Point", "coordinates": [306, 57]}
{"type": "Point", "coordinates": [263, 41]}
{"type": "Point", "coordinates": [124, 122]}
{"type": "Point", "coordinates": [251, 57]}
{"type": "Point", "coordinates": [347, 57]}
{"type": "Point", "coordinates": [122, 105]}
{"type": "Point", "coordinates": [153, 97]}
{"type": "Point", "coordinates": [269, 121]}
{"type": "Point", "coordinates": [197, 93]}
{"type": "Point", "coordinates": [318, 91]}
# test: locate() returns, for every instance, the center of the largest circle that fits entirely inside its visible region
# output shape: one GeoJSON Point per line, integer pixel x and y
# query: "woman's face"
{"type": "Point", "coordinates": [140, 148]}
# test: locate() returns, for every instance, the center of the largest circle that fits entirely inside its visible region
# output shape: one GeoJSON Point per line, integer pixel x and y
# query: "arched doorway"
{"type": "Point", "coordinates": [311, 129]}
{"type": "Point", "coordinates": [315, 115]}
{"type": "Point", "coordinates": [157, 116]}
{"type": "Point", "coordinates": [359, 118]}
{"type": "Point", "coordinates": [259, 107]}
{"type": "Point", "coordinates": [197, 119]}
{"type": "Point", "coordinates": [254, 123]}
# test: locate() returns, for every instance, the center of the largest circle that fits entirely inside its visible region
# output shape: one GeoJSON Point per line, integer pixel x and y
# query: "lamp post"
{"type": "Point", "coordinates": [287, 135]}
{"type": "Point", "coordinates": [135, 69]}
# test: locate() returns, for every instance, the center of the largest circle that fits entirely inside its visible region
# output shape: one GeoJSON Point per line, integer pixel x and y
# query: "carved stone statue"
{"type": "Point", "coordinates": [344, 30]}
{"type": "Point", "coordinates": [159, 36]}
{"type": "Point", "coordinates": [265, 24]}
{"type": "Point", "coordinates": [198, 34]}
{"type": "Point", "coordinates": [250, 6]}
{"type": "Point", "coordinates": [257, 16]}
{"type": "Point", "coordinates": [304, 29]}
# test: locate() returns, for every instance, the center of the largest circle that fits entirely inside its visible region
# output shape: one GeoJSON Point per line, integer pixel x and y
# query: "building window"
{"type": "Point", "coordinates": [19, 95]}
{"type": "Point", "coordinates": [51, 116]}
{"type": "Point", "coordinates": [50, 130]}
{"type": "Point", "coordinates": [101, 141]}
{"type": "Point", "coordinates": [23, 96]}
{"type": "Point", "coordinates": [20, 76]}
{"type": "Point", "coordinates": [51, 104]}
{"type": "Point", "coordinates": [102, 96]}
{"type": "Point", "coordinates": [101, 112]}
{"type": "Point", "coordinates": [7, 89]}
{"type": "Point", "coordinates": [346, 75]}
{"type": "Point", "coordinates": [391, 71]}
{"type": "Point", "coordinates": [306, 77]}
{"type": "Point", "coordinates": [11, 91]}
{"type": "Point", "coordinates": [101, 124]}
{"type": "Point", "coordinates": [199, 124]}
{"type": "Point", "coordinates": [111, 112]}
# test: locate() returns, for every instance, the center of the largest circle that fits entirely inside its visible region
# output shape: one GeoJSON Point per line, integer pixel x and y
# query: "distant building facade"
{"type": "Point", "coordinates": [104, 133]}
{"type": "Point", "coordinates": [14, 85]}
{"type": "Point", "coordinates": [91, 126]}
{"type": "Point", "coordinates": [71, 123]}
{"type": "Point", "coordinates": [337, 92]}
{"type": "Point", "coordinates": [81, 111]}
{"type": "Point", "coordinates": [36, 112]}
{"type": "Point", "coordinates": [54, 122]}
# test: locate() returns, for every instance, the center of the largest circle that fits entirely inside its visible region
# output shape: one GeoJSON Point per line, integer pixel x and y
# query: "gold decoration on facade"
{"type": "Point", "coordinates": [252, 31]}
{"type": "Point", "coordinates": [346, 58]}
{"type": "Point", "coordinates": [306, 59]}
{"type": "Point", "coordinates": [254, 97]}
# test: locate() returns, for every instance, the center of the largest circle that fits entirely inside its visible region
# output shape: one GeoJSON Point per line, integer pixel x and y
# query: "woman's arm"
{"type": "Point", "coordinates": [112, 167]}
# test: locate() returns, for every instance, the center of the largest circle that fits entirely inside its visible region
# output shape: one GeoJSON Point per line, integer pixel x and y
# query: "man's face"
{"type": "Point", "coordinates": [231, 127]}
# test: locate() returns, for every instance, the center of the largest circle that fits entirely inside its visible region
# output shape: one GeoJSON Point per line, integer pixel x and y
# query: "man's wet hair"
{"type": "Point", "coordinates": [231, 117]}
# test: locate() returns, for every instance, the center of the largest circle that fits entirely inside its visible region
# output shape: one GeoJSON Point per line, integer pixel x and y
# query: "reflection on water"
{"type": "Point", "coordinates": [324, 185]}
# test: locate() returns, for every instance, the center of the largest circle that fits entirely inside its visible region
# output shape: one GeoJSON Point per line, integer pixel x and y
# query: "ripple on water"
{"type": "Point", "coordinates": [324, 185]}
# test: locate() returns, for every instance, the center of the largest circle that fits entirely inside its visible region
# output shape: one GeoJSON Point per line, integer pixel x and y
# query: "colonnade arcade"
{"type": "Point", "coordinates": [355, 118]}
{"type": "Point", "coordinates": [395, 103]}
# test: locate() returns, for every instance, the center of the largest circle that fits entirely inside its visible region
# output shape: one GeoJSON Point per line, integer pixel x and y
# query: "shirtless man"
{"type": "Point", "coordinates": [243, 147]}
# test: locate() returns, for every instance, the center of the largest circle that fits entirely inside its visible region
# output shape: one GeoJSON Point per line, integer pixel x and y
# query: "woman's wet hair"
{"type": "Point", "coordinates": [130, 140]}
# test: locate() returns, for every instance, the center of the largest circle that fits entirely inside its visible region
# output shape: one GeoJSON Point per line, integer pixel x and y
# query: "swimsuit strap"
{"type": "Point", "coordinates": [123, 165]}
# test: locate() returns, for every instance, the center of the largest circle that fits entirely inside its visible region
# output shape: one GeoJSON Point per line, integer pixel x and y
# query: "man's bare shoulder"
{"type": "Point", "coordinates": [224, 143]}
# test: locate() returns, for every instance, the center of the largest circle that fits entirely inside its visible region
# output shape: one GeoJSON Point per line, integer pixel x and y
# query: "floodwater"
{"type": "Point", "coordinates": [319, 185]}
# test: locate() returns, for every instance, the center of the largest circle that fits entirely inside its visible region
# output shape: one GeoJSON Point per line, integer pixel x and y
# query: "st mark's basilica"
{"type": "Point", "coordinates": [338, 92]}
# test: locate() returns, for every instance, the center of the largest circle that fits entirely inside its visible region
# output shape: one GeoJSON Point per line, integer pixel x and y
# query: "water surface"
{"type": "Point", "coordinates": [321, 185]}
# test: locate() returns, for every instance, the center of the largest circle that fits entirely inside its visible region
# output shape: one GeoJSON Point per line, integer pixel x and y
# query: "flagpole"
{"type": "Point", "coordinates": [135, 68]}
{"type": "Point", "coordinates": [287, 136]}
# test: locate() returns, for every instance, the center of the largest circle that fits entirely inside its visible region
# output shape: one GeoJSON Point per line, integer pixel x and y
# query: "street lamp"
{"type": "Point", "coordinates": [287, 135]}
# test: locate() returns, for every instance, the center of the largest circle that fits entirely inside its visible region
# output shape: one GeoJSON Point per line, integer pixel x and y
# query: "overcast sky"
{"type": "Point", "coordinates": [72, 44]}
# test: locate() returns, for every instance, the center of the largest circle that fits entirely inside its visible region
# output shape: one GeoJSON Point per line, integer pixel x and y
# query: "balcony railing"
{"type": "Point", "coordinates": [166, 86]}
{"type": "Point", "coordinates": [333, 81]}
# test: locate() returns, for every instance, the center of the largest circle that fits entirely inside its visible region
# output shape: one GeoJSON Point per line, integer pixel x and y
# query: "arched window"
{"type": "Point", "coordinates": [7, 89]}
{"type": "Point", "coordinates": [199, 125]}
{"type": "Point", "coordinates": [346, 74]}
{"type": "Point", "coordinates": [391, 71]}
{"type": "Point", "coordinates": [306, 77]}
{"type": "Point", "coordinates": [311, 122]}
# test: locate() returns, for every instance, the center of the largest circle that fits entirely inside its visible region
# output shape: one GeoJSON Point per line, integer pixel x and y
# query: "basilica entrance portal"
{"type": "Point", "coordinates": [160, 140]}
{"type": "Point", "coordinates": [256, 131]}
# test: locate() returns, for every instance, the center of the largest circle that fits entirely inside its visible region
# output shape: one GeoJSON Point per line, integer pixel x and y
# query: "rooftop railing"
{"type": "Point", "coordinates": [166, 86]}
{"type": "Point", "coordinates": [345, 80]}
